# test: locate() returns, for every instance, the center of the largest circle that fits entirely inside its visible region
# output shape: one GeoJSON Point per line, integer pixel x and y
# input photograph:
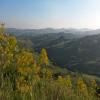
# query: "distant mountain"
{"type": "Point", "coordinates": [77, 50]}
{"type": "Point", "coordinates": [82, 32]}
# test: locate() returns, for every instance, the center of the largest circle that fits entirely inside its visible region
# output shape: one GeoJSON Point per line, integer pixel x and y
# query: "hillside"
{"type": "Point", "coordinates": [68, 50]}
{"type": "Point", "coordinates": [78, 55]}
{"type": "Point", "coordinates": [81, 55]}
{"type": "Point", "coordinates": [26, 75]}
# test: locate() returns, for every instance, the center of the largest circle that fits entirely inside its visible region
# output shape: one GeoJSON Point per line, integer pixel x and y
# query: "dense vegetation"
{"type": "Point", "coordinates": [26, 75]}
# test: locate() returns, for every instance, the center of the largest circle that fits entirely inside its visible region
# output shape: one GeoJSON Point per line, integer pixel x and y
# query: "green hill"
{"type": "Point", "coordinates": [76, 54]}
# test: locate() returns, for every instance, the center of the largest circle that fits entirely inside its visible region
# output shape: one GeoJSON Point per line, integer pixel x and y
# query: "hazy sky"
{"type": "Point", "coordinates": [50, 13]}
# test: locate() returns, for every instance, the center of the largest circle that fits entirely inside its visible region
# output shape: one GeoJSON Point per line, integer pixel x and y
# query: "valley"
{"type": "Point", "coordinates": [74, 51]}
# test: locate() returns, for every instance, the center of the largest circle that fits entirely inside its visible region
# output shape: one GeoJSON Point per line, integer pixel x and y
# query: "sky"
{"type": "Point", "coordinates": [50, 13]}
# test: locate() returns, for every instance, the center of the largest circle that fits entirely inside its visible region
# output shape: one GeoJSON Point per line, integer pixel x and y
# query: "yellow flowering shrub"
{"type": "Point", "coordinates": [81, 87]}
{"type": "Point", "coordinates": [28, 69]}
{"type": "Point", "coordinates": [48, 73]}
{"type": "Point", "coordinates": [43, 58]}
{"type": "Point", "coordinates": [7, 48]}
{"type": "Point", "coordinates": [23, 86]}
{"type": "Point", "coordinates": [2, 28]}
{"type": "Point", "coordinates": [68, 81]}
{"type": "Point", "coordinates": [93, 83]}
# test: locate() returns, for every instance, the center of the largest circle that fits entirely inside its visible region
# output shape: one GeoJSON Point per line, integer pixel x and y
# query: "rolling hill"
{"type": "Point", "coordinates": [77, 52]}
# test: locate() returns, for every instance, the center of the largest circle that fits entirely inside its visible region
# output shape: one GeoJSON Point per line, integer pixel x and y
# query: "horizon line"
{"type": "Point", "coordinates": [77, 28]}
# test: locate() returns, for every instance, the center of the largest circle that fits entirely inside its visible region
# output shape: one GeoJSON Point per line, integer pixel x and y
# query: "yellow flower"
{"type": "Point", "coordinates": [81, 86]}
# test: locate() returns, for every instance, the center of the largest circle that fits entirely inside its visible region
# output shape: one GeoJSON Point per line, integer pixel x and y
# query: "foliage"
{"type": "Point", "coordinates": [2, 28]}
{"type": "Point", "coordinates": [43, 57]}
{"type": "Point", "coordinates": [23, 77]}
